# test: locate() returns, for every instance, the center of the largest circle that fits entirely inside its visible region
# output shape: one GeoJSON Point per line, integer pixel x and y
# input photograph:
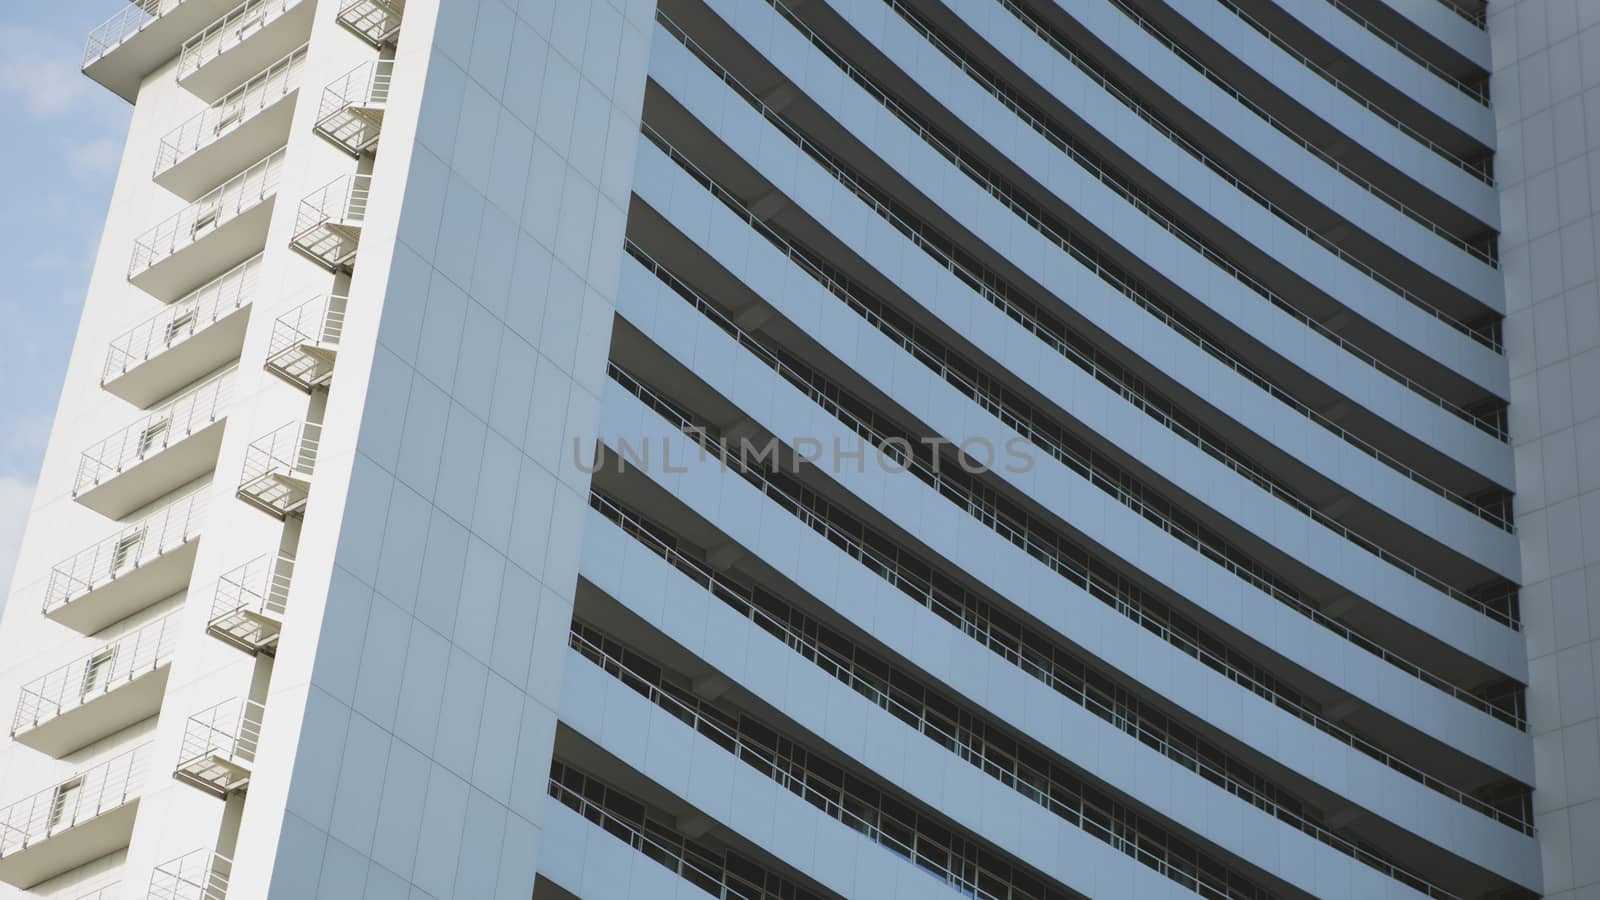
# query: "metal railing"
{"type": "Point", "coordinates": [277, 81]}
{"type": "Point", "coordinates": [165, 529]}
{"type": "Point", "coordinates": [78, 799]}
{"type": "Point", "coordinates": [318, 321]}
{"type": "Point", "coordinates": [127, 22]}
{"type": "Point", "coordinates": [1040, 430]}
{"type": "Point", "coordinates": [1478, 90]}
{"type": "Point", "coordinates": [260, 585]}
{"type": "Point", "coordinates": [1001, 295]}
{"type": "Point", "coordinates": [288, 449]}
{"type": "Point", "coordinates": [695, 863]}
{"type": "Point", "coordinates": [239, 194]}
{"type": "Point", "coordinates": [183, 319]}
{"type": "Point", "coordinates": [1479, 170]}
{"type": "Point", "coordinates": [365, 85]}
{"type": "Point", "coordinates": [197, 875]}
{"type": "Point", "coordinates": [230, 730]}
{"type": "Point", "coordinates": [342, 201]}
{"type": "Point", "coordinates": [96, 673]}
{"type": "Point", "coordinates": [232, 29]}
{"type": "Point", "coordinates": [1100, 582]}
{"type": "Point", "coordinates": [173, 421]}
{"type": "Point", "coordinates": [109, 892]}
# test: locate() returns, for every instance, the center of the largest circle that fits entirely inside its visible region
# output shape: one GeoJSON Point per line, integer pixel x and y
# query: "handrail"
{"type": "Point", "coordinates": [342, 200]}
{"type": "Point", "coordinates": [86, 795]}
{"type": "Point", "coordinates": [230, 729]}
{"type": "Point", "coordinates": [1103, 172]}
{"type": "Point", "coordinates": [291, 447]}
{"type": "Point", "coordinates": [197, 875]}
{"type": "Point", "coordinates": [169, 527]}
{"type": "Point", "coordinates": [1108, 586]}
{"type": "Point", "coordinates": [175, 420]}
{"type": "Point", "coordinates": [230, 30]}
{"type": "Point", "coordinates": [1483, 172]}
{"type": "Point", "coordinates": [1107, 475]}
{"type": "Point", "coordinates": [1479, 91]}
{"type": "Point", "coordinates": [125, 23]}
{"type": "Point", "coordinates": [260, 585]}
{"type": "Point", "coordinates": [237, 195]}
{"type": "Point", "coordinates": [633, 834]}
{"type": "Point", "coordinates": [267, 87]}
{"type": "Point", "coordinates": [843, 661]}
{"type": "Point", "coordinates": [366, 84]}
{"type": "Point", "coordinates": [182, 319]}
{"type": "Point", "coordinates": [96, 673]}
{"type": "Point", "coordinates": [984, 283]}
{"type": "Point", "coordinates": [319, 320]}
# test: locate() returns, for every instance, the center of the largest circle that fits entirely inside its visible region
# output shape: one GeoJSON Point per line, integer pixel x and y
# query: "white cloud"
{"type": "Point", "coordinates": [38, 71]}
{"type": "Point", "coordinates": [15, 498]}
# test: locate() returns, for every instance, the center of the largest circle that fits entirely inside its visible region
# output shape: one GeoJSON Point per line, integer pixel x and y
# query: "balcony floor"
{"type": "Point", "coordinates": [232, 152]}
{"type": "Point", "coordinates": [123, 69]}
{"type": "Point", "coordinates": [131, 591]}
{"type": "Point", "coordinates": [217, 251]}
{"type": "Point", "coordinates": [71, 847]}
{"type": "Point", "coordinates": [183, 363]}
{"type": "Point", "coordinates": [107, 713]}
{"type": "Point", "coordinates": [180, 462]}
{"type": "Point", "coordinates": [221, 74]}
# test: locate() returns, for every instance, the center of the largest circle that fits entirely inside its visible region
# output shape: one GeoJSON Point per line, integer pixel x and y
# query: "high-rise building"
{"type": "Point", "coordinates": [822, 449]}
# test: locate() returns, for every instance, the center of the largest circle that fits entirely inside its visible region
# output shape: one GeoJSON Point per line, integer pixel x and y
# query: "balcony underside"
{"type": "Point", "coordinates": [214, 773]}
{"type": "Point", "coordinates": [107, 713]}
{"type": "Point", "coordinates": [219, 250]}
{"type": "Point", "coordinates": [221, 74]}
{"type": "Point", "coordinates": [183, 363]}
{"type": "Point", "coordinates": [129, 592]}
{"type": "Point", "coordinates": [71, 847]}
{"type": "Point", "coordinates": [375, 21]}
{"type": "Point", "coordinates": [305, 365]}
{"type": "Point", "coordinates": [280, 494]}
{"type": "Point", "coordinates": [248, 629]}
{"type": "Point", "coordinates": [232, 152]}
{"type": "Point", "coordinates": [331, 245]}
{"type": "Point", "coordinates": [124, 68]}
{"type": "Point", "coordinates": [162, 471]}
{"type": "Point", "coordinates": [354, 128]}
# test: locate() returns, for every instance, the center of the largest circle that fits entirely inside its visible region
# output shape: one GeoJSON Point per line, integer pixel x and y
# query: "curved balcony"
{"type": "Point", "coordinates": [305, 342]}
{"type": "Point", "coordinates": [375, 21]}
{"type": "Point", "coordinates": [128, 571]}
{"type": "Point", "coordinates": [219, 746]}
{"type": "Point", "coordinates": [247, 611]}
{"type": "Point", "coordinates": [245, 39]}
{"type": "Point", "coordinates": [277, 469]}
{"type": "Point", "coordinates": [193, 336]}
{"type": "Point", "coordinates": [351, 114]}
{"type": "Point", "coordinates": [68, 824]}
{"type": "Point", "coordinates": [327, 228]}
{"type": "Point", "coordinates": [227, 135]}
{"type": "Point", "coordinates": [99, 693]}
{"type": "Point", "coordinates": [165, 449]}
{"type": "Point", "coordinates": [216, 232]}
{"type": "Point", "coordinates": [143, 34]}
{"type": "Point", "coordinates": [197, 875]}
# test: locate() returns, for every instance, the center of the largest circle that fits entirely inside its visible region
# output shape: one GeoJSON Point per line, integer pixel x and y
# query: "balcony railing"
{"type": "Point", "coordinates": [305, 342]}
{"type": "Point", "coordinates": [139, 564]}
{"type": "Point", "coordinates": [351, 114]}
{"type": "Point", "coordinates": [197, 875]}
{"type": "Point", "coordinates": [241, 194]}
{"type": "Point", "coordinates": [219, 746]}
{"type": "Point", "coordinates": [109, 892]}
{"type": "Point", "coordinates": [278, 467]}
{"type": "Point", "coordinates": [375, 21]}
{"type": "Point", "coordinates": [190, 413]}
{"type": "Point", "coordinates": [171, 328]}
{"type": "Point", "coordinates": [115, 665]}
{"type": "Point", "coordinates": [247, 611]}
{"type": "Point", "coordinates": [104, 792]}
{"type": "Point", "coordinates": [235, 27]}
{"type": "Point", "coordinates": [126, 23]}
{"type": "Point", "coordinates": [327, 228]}
{"type": "Point", "coordinates": [225, 116]}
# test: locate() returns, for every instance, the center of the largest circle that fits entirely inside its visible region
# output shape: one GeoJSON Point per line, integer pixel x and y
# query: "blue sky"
{"type": "Point", "coordinates": [63, 139]}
